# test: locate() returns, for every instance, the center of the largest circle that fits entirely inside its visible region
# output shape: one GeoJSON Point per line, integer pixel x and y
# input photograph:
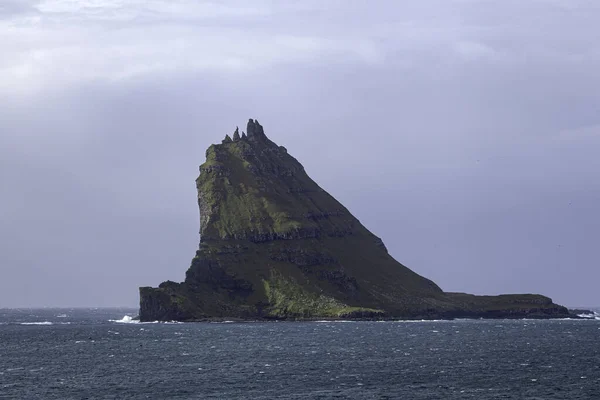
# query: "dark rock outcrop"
{"type": "Point", "coordinates": [274, 245]}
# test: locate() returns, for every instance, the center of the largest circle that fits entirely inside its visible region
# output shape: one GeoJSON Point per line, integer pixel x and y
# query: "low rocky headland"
{"type": "Point", "coordinates": [276, 246]}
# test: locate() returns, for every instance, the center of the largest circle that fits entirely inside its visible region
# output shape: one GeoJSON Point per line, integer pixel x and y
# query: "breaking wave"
{"type": "Point", "coordinates": [593, 315]}
{"type": "Point", "coordinates": [128, 319]}
{"type": "Point", "coordinates": [37, 323]}
{"type": "Point", "coordinates": [125, 320]}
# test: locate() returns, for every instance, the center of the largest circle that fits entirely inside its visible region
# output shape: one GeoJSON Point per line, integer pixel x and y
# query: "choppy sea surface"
{"type": "Point", "coordinates": [103, 354]}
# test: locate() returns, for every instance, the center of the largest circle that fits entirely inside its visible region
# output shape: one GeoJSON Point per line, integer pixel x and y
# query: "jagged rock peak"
{"type": "Point", "coordinates": [236, 134]}
{"type": "Point", "coordinates": [244, 135]}
{"type": "Point", "coordinates": [255, 130]}
{"type": "Point", "coordinates": [227, 139]}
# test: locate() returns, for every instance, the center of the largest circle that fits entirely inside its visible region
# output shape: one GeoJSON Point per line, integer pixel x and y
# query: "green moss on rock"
{"type": "Point", "coordinates": [288, 299]}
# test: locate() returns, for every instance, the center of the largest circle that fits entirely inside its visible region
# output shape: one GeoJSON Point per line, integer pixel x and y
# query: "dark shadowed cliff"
{"type": "Point", "coordinates": [274, 245]}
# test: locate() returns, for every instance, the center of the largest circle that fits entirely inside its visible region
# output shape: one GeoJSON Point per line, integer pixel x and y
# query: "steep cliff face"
{"type": "Point", "coordinates": [274, 245]}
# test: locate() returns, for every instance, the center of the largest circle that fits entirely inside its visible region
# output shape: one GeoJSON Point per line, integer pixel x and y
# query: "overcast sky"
{"type": "Point", "coordinates": [465, 133]}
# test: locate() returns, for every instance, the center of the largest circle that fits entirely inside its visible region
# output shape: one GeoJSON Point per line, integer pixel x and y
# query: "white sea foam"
{"type": "Point", "coordinates": [61, 316]}
{"type": "Point", "coordinates": [590, 316]}
{"type": "Point", "coordinates": [125, 320]}
{"type": "Point", "coordinates": [37, 323]}
{"type": "Point", "coordinates": [594, 315]}
{"type": "Point", "coordinates": [411, 321]}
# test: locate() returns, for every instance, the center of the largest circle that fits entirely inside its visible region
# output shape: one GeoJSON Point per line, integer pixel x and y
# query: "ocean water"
{"type": "Point", "coordinates": [100, 354]}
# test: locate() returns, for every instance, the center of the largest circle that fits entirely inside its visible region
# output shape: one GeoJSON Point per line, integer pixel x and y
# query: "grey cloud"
{"type": "Point", "coordinates": [462, 133]}
{"type": "Point", "coordinates": [10, 8]}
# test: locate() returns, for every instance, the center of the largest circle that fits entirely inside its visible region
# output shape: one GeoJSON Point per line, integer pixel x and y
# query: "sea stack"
{"type": "Point", "coordinates": [275, 245]}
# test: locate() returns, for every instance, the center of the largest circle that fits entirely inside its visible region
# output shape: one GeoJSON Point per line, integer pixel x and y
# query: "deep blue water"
{"type": "Point", "coordinates": [81, 354]}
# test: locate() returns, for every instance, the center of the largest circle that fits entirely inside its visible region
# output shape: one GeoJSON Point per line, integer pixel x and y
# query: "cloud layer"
{"type": "Point", "coordinates": [463, 132]}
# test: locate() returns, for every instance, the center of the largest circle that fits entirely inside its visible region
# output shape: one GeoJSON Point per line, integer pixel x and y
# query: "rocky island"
{"type": "Point", "coordinates": [275, 245]}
